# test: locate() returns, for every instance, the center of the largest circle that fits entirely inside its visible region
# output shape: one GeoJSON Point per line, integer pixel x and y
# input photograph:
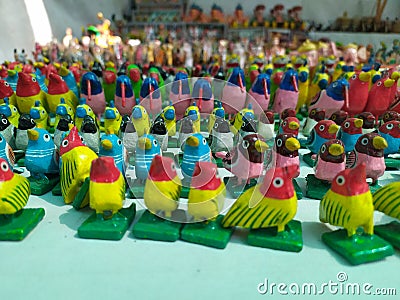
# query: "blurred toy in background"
{"type": "Point", "coordinates": [109, 81]}
{"type": "Point", "coordinates": [134, 73]}
{"type": "Point", "coordinates": [339, 117]}
{"type": "Point", "coordinates": [180, 94]}
{"type": "Point", "coordinates": [150, 96]}
{"type": "Point", "coordinates": [238, 19]}
{"type": "Point", "coordinates": [390, 115]}
{"type": "Point", "coordinates": [304, 80]}
{"type": "Point", "coordinates": [318, 83]}
{"type": "Point", "coordinates": [350, 54]}
{"type": "Point", "coordinates": [234, 92]}
{"type": "Point", "coordinates": [370, 151]}
{"type": "Point", "coordinates": [349, 204]}
{"type": "Point", "coordinates": [202, 94]}
{"type": "Point", "coordinates": [92, 91]}
{"type": "Point", "coordinates": [124, 99]}
{"type": "Point", "coordinates": [258, 18]}
{"type": "Point", "coordinates": [309, 49]}
{"type": "Point", "coordinates": [278, 20]}
{"type": "Point", "coordinates": [196, 14]}
{"type": "Point", "coordinates": [259, 93]}
{"type": "Point", "coordinates": [217, 14]}
{"type": "Point", "coordinates": [287, 94]}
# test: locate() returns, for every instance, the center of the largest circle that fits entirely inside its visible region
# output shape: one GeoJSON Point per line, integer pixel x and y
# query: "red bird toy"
{"type": "Point", "coordinates": [358, 93]}
{"type": "Point", "coordinates": [379, 97]}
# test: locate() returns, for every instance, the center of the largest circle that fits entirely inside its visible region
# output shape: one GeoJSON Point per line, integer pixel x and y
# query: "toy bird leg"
{"type": "Point", "coordinates": [168, 214]}
{"type": "Point", "coordinates": [107, 214]}
{"type": "Point", "coordinates": [369, 227]}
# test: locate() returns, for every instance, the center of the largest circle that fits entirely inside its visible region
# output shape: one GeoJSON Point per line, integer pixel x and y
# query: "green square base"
{"type": "Point", "coordinates": [210, 234]}
{"type": "Point", "coordinates": [21, 224]}
{"type": "Point", "coordinates": [234, 189]}
{"type": "Point", "coordinates": [152, 227]}
{"type": "Point", "coordinates": [389, 232]}
{"type": "Point", "coordinates": [392, 164]}
{"type": "Point", "coordinates": [297, 189]}
{"type": "Point", "coordinates": [360, 249]}
{"type": "Point", "coordinates": [79, 201]}
{"type": "Point", "coordinates": [308, 160]}
{"type": "Point", "coordinates": [56, 191]}
{"type": "Point", "coordinates": [40, 187]}
{"type": "Point", "coordinates": [289, 240]}
{"type": "Point", "coordinates": [95, 227]}
{"type": "Point", "coordinates": [316, 188]}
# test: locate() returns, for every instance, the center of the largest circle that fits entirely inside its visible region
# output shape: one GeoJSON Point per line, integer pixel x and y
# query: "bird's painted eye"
{"type": "Point", "coordinates": [312, 112]}
{"type": "Point", "coordinates": [4, 121]}
{"type": "Point", "coordinates": [216, 125]}
{"type": "Point", "coordinates": [6, 83]}
{"type": "Point", "coordinates": [321, 127]}
{"type": "Point", "coordinates": [364, 141]}
{"type": "Point", "coordinates": [340, 180]}
{"type": "Point", "coordinates": [43, 112]}
{"type": "Point", "coordinates": [33, 79]}
{"type": "Point", "coordinates": [278, 182]}
{"type": "Point", "coordinates": [204, 142]}
{"type": "Point", "coordinates": [333, 117]}
{"type": "Point", "coordinates": [144, 112]}
{"type": "Point", "coordinates": [4, 166]}
{"type": "Point", "coordinates": [173, 167]}
{"type": "Point", "coordinates": [119, 142]}
{"type": "Point", "coordinates": [386, 116]}
{"type": "Point", "coordinates": [389, 126]}
{"type": "Point", "coordinates": [279, 142]}
{"type": "Point", "coordinates": [1, 139]}
{"type": "Point", "coordinates": [354, 77]}
{"type": "Point", "coordinates": [323, 149]}
{"type": "Point", "coordinates": [15, 109]}
{"type": "Point", "coordinates": [155, 143]}
{"type": "Point", "coordinates": [284, 124]}
{"type": "Point", "coordinates": [379, 83]}
{"type": "Point", "coordinates": [46, 137]}
{"type": "Point", "coordinates": [346, 125]}
{"type": "Point", "coordinates": [245, 144]}
{"type": "Point", "coordinates": [89, 109]}
{"type": "Point", "coordinates": [82, 139]}
{"type": "Point", "coordinates": [334, 84]}
{"type": "Point", "coordinates": [32, 121]}
{"type": "Point", "coordinates": [64, 143]}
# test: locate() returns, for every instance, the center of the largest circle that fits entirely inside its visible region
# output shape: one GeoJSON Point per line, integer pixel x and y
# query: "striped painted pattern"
{"type": "Point", "coordinates": [189, 161]}
{"type": "Point", "coordinates": [267, 213]}
{"type": "Point", "coordinates": [67, 176]}
{"type": "Point", "coordinates": [16, 199]}
{"type": "Point", "coordinates": [142, 164]}
{"type": "Point", "coordinates": [387, 200]}
{"type": "Point", "coordinates": [333, 209]}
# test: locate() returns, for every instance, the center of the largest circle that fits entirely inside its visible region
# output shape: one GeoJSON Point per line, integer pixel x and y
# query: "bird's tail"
{"type": "Point", "coordinates": [387, 200]}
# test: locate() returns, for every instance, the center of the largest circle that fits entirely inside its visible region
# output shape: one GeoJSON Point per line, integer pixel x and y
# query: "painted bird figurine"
{"type": "Point", "coordinates": [323, 131]}
{"type": "Point", "coordinates": [358, 93]}
{"type": "Point", "coordinates": [159, 131]}
{"type": "Point", "coordinates": [39, 114]}
{"type": "Point", "coordinates": [6, 91]}
{"type": "Point", "coordinates": [290, 125]}
{"type": "Point", "coordinates": [111, 145]}
{"type": "Point", "coordinates": [386, 200]}
{"type": "Point", "coordinates": [90, 133]}
{"type": "Point", "coordinates": [10, 111]}
{"type": "Point", "coordinates": [140, 119]}
{"type": "Point", "coordinates": [41, 156]}
{"type": "Point", "coordinates": [180, 94]}
{"type": "Point", "coordinates": [333, 98]}
{"type": "Point", "coordinates": [348, 203]}
{"type": "Point", "coordinates": [247, 159]}
{"type": "Point", "coordinates": [221, 137]}
{"type": "Point", "coordinates": [106, 187]}
{"type": "Point", "coordinates": [64, 125]}
{"type": "Point", "coordinates": [112, 118]}
{"type": "Point", "coordinates": [14, 190]}
{"type": "Point", "coordinates": [243, 115]}
{"type": "Point", "coordinates": [193, 113]}
{"type": "Point", "coordinates": [196, 149]}
{"type": "Point", "coordinates": [25, 122]}
{"type": "Point", "coordinates": [368, 122]}
{"type": "Point", "coordinates": [203, 95]}
{"type": "Point", "coordinates": [339, 117]}
{"type": "Point", "coordinates": [134, 73]}
{"type": "Point", "coordinates": [390, 131]}
{"type": "Point", "coordinates": [271, 203]}
{"type": "Point", "coordinates": [92, 91]}
{"type": "Point", "coordinates": [314, 116]}
{"type": "Point", "coordinates": [285, 152]}
{"type": "Point", "coordinates": [378, 98]}
{"type": "Point", "coordinates": [169, 117]}
{"type": "Point", "coordinates": [6, 152]}
{"type": "Point", "coordinates": [330, 161]}
{"type": "Point", "coordinates": [109, 82]}
{"type": "Point", "coordinates": [186, 129]}
{"type": "Point", "coordinates": [62, 111]}
{"type": "Point", "coordinates": [266, 125]}
{"type": "Point", "coordinates": [69, 79]}
{"type": "Point", "coordinates": [349, 133]}
{"type": "Point", "coordinates": [369, 150]}
{"type": "Point", "coordinates": [150, 96]}
{"type": "Point", "coordinates": [58, 90]}
{"type": "Point", "coordinates": [124, 95]}
{"type": "Point", "coordinates": [163, 187]}
{"type": "Point", "coordinates": [28, 92]}
{"type": "Point", "coordinates": [75, 162]}
{"type": "Point", "coordinates": [83, 110]}
{"type": "Point", "coordinates": [259, 94]}
{"type": "Point", "coordinates": [233, 96]}
{"type": "Point", "coordinates": [128, 135]}
{"type": "Point", "coordinates": [147, 148]}
{"type": "Point", "coordinates": [7, 130]}
{"type": "Point", "coordinates": [207, 192]}
{"type": "Point", "coordinates": [287, 94]}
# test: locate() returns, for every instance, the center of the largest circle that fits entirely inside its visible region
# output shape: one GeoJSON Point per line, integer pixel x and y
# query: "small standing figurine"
{"type": "Point", "coordinates": [111, 145]}
{"type": "Point", "coordinates": [239, 19]}
{"type": "Point", "coordinates": [140, 120]}
{"type": "Point", "coordinates": [258, 19]}
{"type": "Point", "coordinates": [150, 96]}
{"type": "Point", "coordinates": [358, 93]}
{"type": "Point", "coordinates": [25, 122]}
{"type": "Point", "coordinates": [39, 114]}
{"type": "Point", "coordinates": [159, 131]}
{"type": "Point", "coordinates": [112, 118]}
{"type": "Point", "coordinates": [233, 96]}
{"type": "Point", "coordinates": [287, 94]}
{"type": "Point", "coordinates": [368, 122]}
{"type": "Point", "coordinates": [147, 148]}
{"type": "Point", "coordinates": [379, 97]}
{"type": "Point", "coordinates": [221, 137]}
{"type": "Point", "coordinates": [15, 221]}
{"type": "Point", "coordinates": [57, 90]}
{"type": "Point", "coordinates": [339, 117]}
{"type": "Point", "coordinates": [275, 202]}
{"type": "Point", "coordinates": [349, 204]}
{"type": "Point", "coordinates": [125, 98]}
{"type": "Point", "coordinates": [92, 91]}
{"type": "Point", "coordinates": [349, 133]}
{"type": "Point", "coordinates": [180, 94]}
{"type": "Point", "coordinates": [203, 95]}
{"type": "Point", "coordinates": [259, 93]}
{"type": "Point", "coordinates": [28, 92]}
{"type": "Point", "coordinates": [169, 117]}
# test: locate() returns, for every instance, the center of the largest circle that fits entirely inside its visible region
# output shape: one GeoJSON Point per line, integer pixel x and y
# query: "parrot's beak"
{"type": "Point", "coordinates": [106, 144]}
{"type": "Point", "coordinates": [11, 72]}
{"type": "Point", "coordinates": [346, 96]}
{"type": "Point", "coordinates": [333, 128]}
{"type": "Point", "coordinates": [292, 144]}
{"type": "Point", "coordinates": [265, 88]}
{"type": "Point", "coordinates": [336, 149]}
{"type": "Point", "coordinates": [110, 114]}
{"type": "Point", "coordinates": [63, 71]}
{"type": "Point", "coordinates": [294, 82]}
{"type": "Point", "coordinates": [70, 126]}
{"type": "Point", "coordinates": [193, 141]}
{"type": "Point", "coordinates": [379, 143]}
{"type": "Point", "coordinates": [365, 76]}
{"type": "Point", "coordinates": [395, 75]}
{"type": "Point", "coordinates": [137, 113]}
{"type": "Point", "coordinates": [33, 135]}
{"type": "Point", "coordinates": [388, 83]}
{"type": "Point", "coordinates": [57, 65]}
{"type": "Point", "coordinates": [261, 146]}
{"type": "Point", "coordinates": [294, 125]}
{"type": "Point", "coordinates": [358, 123]}
{"type": "Point", "coordinates": [144, 143]}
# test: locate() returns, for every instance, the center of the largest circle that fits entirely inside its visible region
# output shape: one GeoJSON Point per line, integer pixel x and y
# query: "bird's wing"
{"type": "Point", "coordinates": [333, 209]}
{"type": "Point", "coordinates": [387, 200]}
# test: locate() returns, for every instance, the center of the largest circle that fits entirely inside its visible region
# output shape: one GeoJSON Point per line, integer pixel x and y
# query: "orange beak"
{"type": "Point", "coordinates": [123, 94]}
{"type": "Point", "coordinates": [266, 95]}
{"type": "Point", "coordinates": [294, 82]}
{"type": "Point", "coordinates": [240, 83]}
{"type": "Point", "coordinates": [89, 89]}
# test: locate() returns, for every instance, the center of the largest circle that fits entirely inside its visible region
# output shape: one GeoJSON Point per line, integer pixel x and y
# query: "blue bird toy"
{"type": "Point", "coordinates": [196, 149]}
{"type": "Point", "coordinates": [390, 131]}
{"type": "Point", "coordinates": [349, 133]}
{"type": "Point", "coordinates": [41, 155]}
{"type": "Point", "coordinates": [147, 147]}
{"type": "Point", "coordinates": [287, 95]}
{"type": "Point", "coordinates": [6, 152]}
{"type": "Point", "coordinates": [41, 79]}
{"type": "Point", "coordinates": [323, 131]}
{"type": "Point", "coordinates": [111, 145]}
{"type": "Point", "coordinates": [234, 94]}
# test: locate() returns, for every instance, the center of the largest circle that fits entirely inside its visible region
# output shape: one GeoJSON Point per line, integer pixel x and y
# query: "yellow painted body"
{"type": "Point", "coordinates": [211, 121]}
{"type": "Point", "coordinates": [14, 194]}
{"type": "Point", "coordinates": [387, 200]}
{"type": "Point", "coordinates": [54, 100]}
{"type": "Point", "coordinates": [107, 196]}
{"type": "Point", "coordinates": [13, 119]}
{"type": "Point", "coordinates": [303, 88]}
{"type": "Point", "coordinates": [349, 212]}
{"type": "Point", "coordinates": [114, 124]}
{"type": "Point", "coordinates": [206, 204]}
{"type": "Point", "coordinates": [75, 169]}
{"type": "Point", "coordinates": [314, 87]}
{"type": "Point", "coordinates": [238, 120]}
{"type": "Point", "coordinates": [338, 70]}
{"type": "Point", "coordinates": [142, 125]}
{"type": "Point", "coordinates": [42, 122]}
{"type": "Point", "coordinates": [196, 124]}
{"type": "Point", "coordinates": [162, 196]}
{"type": "Point", "coordinates": [78, 121]}
{"type": "Point", "coordinates": [171, 127]}
{"type": "Point", "coordinates": [269, 212]}
{"type": "Point", "coordinates": [25, 104]}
